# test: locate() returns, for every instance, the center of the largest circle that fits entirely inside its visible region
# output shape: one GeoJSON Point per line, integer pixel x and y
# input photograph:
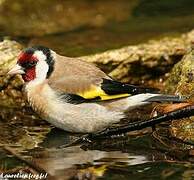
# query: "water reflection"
{"type": "Point", "coordinates": [138, 155]}
{"type": "Point", "coordinates": [56, 160]}
{"type": "Point", "coordinates": [59, 160]}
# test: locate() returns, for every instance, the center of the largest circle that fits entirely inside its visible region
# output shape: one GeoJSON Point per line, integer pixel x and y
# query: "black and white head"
{"type": "Point", "coordinates": [34, 63]}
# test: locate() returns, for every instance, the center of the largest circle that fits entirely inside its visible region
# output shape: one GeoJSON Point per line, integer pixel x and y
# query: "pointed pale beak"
{"type": "Point", "coordinates": [17, 69]}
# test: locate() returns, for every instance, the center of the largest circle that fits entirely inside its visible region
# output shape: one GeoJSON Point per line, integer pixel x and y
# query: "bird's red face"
{"type": "Point", "coordinates": [28, 63]}
{"type": "Point", "coordinates": [35, 63]}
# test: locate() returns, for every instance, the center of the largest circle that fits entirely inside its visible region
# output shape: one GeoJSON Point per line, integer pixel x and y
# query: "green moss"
{"type": "Point", "coordinates": [181, 79]}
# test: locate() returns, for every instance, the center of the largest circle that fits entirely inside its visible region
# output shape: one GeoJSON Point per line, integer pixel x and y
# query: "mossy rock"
{"type": "Point", "coordinates": [181, 81]}
{"type": "Point", "coordinates": [10, 87]}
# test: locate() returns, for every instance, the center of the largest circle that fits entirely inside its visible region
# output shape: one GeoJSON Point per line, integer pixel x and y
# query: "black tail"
{"type": "Point", "coordinates": [166, 98]}
{"type": "Point", "coordinates": [113, 87]}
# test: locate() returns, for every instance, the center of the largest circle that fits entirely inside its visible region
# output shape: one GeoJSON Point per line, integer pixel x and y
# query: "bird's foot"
{"type": "Point", "coordinates": [81, 140]}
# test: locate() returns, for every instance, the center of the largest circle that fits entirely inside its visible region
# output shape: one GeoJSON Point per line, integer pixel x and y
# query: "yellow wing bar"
{"type": "Point", "coordinates": [98, 92]}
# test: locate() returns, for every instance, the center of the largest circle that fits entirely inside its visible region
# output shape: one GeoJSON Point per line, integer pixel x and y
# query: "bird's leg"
{"type": "Point", "coordinates": [153, 128]}
{"type": "Point", "coordinates": [83, 139]}
{"type": "Point", "coordinates": [173, 115]}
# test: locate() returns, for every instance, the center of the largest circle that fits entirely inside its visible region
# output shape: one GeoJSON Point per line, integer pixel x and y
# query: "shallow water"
{"type": "Point", "coordinates": [139, 155]}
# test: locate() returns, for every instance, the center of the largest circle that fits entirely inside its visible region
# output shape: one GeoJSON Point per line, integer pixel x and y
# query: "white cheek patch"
{"type": "Point", "coordinates": [39, 55]}
{"type": "Point", "coordinates": [41, 70]}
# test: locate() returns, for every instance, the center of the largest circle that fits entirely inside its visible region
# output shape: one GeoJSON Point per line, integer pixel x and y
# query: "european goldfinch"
{"type": "Point", "coordinates": [75, 95]}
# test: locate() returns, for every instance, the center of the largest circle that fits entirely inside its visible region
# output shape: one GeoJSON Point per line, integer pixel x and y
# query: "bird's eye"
{"type": "Point", "coordinates": [32, 63]}
{"type": "Point", "coordinates": [29, 64]}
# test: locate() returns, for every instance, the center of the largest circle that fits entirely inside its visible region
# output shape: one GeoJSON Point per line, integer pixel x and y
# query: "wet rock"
{"type": "Point", "coordinates": [10, 87]}
{"type": "Point", "coordinates": [8, 52]}
{"type": "Point", "coordinates": [144, 61]}
{"type": "Point", "coordinates": [181, 81]}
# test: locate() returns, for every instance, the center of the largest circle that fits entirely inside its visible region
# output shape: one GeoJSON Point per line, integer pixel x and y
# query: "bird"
{"type": "Point", "coordinates": [75, 95]}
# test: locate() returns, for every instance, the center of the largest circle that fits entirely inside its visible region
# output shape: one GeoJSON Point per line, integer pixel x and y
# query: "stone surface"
{"type": "Point", "coordinates": [154, 57]}
{"type": "Point", "coordinates": [10, 87]}
{"type": "Point", "coordinates": [181, 81]}
{"type": "Point", "coordinates": [8, 52]}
